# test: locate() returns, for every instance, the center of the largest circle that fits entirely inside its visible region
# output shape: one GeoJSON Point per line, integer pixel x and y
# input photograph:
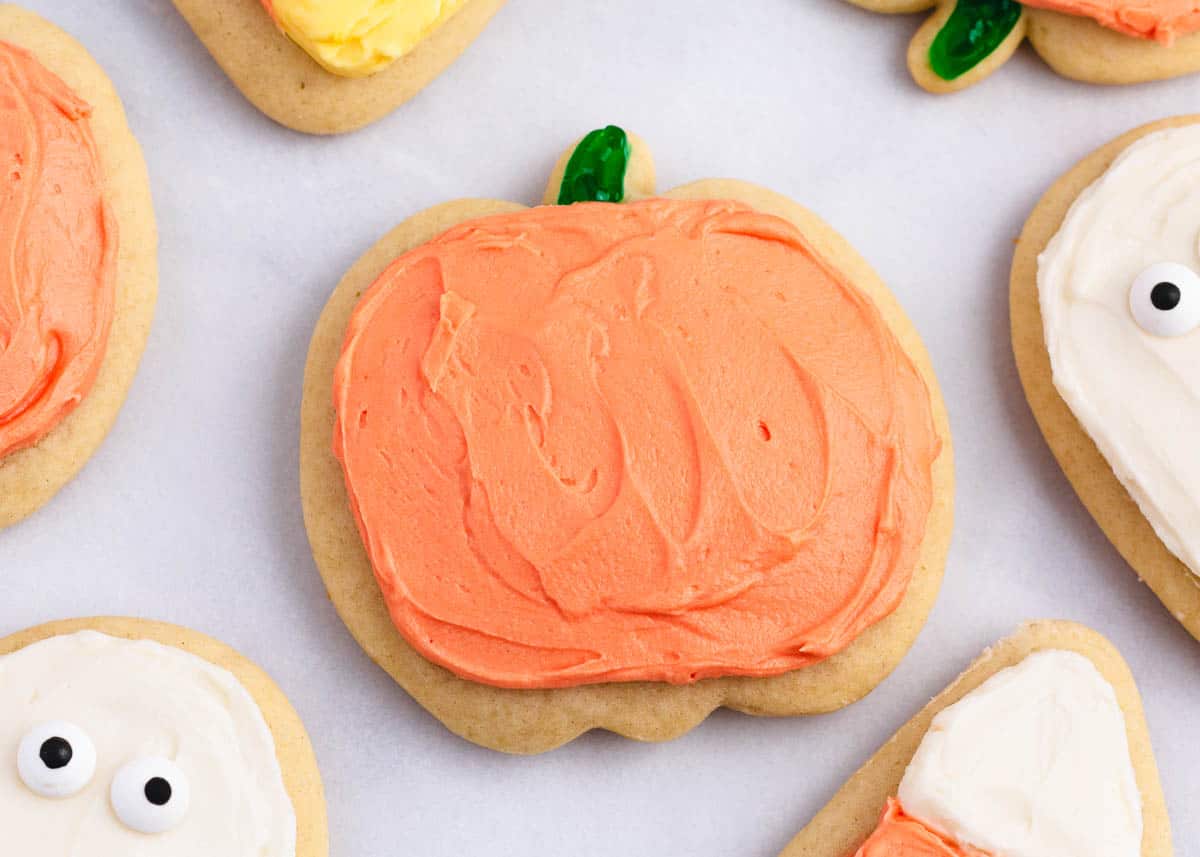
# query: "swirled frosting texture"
{"type": "Point", "coordinates": [356, 38]}
{"type": "Point", "coordinates": [1161, 20]}
{"type": "Point", "coordinates": [58, 241]}
{"type": "Point", "coordinates": [659, 441]}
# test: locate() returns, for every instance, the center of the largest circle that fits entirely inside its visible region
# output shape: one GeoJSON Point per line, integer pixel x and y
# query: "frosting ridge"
{"type": "Point", "coordinates": [1161, 20]}
{"type": "Point", "coordinates": [59, 249]}
{"type": "Point", "coordinates": [657, 441]}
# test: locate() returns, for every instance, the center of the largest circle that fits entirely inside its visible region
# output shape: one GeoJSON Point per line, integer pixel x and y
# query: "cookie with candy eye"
{"type": "Point", "coordinates": [127, 736]}
{"type": "Point", "coordinates": [1105, 307]}
{"type": "Point", "coordinates": [1096, 41]}
{"type": "Point", "coordinates": [623, 458]}
{"type": "Point", "coordinates": [1039, 749]}
{"type": "Point", "coordinates": [334, 66]}
{"type": "Point", "coordinates": [78, 237]}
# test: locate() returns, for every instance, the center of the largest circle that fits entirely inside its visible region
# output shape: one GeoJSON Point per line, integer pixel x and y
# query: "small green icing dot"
{"type": "Point", "coordinates": [975, 29]}
{"type": "Point", "coordinates": [596, 170]}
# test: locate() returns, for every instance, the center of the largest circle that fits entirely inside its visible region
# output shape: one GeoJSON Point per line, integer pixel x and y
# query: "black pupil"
{"type": "Point", "coordinates": [158, 791]}
{"type": "Point", "coordinates": [56, 753]}
{"type": "Point", "coordinates": [1165, 296]}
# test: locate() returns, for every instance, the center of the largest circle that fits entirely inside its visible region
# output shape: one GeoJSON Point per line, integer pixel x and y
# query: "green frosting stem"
{"type": "Point", "coordinates": [596, 170]}
{"type": "Point", "coordinates": [975, 29]}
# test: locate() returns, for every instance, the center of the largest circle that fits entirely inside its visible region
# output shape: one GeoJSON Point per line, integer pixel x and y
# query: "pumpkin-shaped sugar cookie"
{"type": "Point", "coordinates": [1097, 41]}
{"type": "Point", "coordinates": [620, 459]}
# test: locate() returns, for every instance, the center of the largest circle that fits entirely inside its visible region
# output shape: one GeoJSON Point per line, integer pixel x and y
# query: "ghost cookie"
{"type": "Point", "coordinates": [618, 463]}
{"type": "Point", "coordinates": [79, 276]}
{"type": "Point", "coordinates": [1105, 300]}
{"type": "Point", "coordinates": [330, 66]}
{"type": "Point", "coordinates": [1096, 41]}
{"type": "Point", "coordinates": [1040, 749]}
{"type": "Point", "coordinates": [128, 737]}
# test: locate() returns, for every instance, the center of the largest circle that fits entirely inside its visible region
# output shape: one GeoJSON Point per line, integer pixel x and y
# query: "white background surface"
{"type": "Point", "coordinates": [191, 512]}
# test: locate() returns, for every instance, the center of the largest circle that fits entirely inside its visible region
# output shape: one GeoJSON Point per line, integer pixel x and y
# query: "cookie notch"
{"type": "Point", "coordinates": [1088, 472]}
{"type": "Point", "coordinates": [533, 721]}
{"type": "Point", "coordinates": [301, 777]}
{"type": "Point", "coordinates": [988, 33]}
{"type": "Point", "coordinates": [850, 817]}
{"type": "Point", "coordinates": [30, 477]}
{"type": "Point", "coordinates": [285, 83]}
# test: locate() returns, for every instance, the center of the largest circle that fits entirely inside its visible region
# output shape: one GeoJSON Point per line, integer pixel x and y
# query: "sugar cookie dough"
{"type": "Point", "coordinates": [128, 736]}
{"type": "Point", "coordinates": [1083, 305]}
{"type": "Point", "coordinates": [511, 628]}
{"type": "Point", "coordinates": [81, 245]}
{"type": "Point", "coordinates": [1096, 41]}
{"type": "Point", "coordinates": [332, 67]}
{"type": "Point", "coordinates": [1039, 749]}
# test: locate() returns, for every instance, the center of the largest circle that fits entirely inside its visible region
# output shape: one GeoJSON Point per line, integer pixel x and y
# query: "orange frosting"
{"type": "Point", "coordinates": [58, 240]}
{"type": "Point", "coordinates": [659, 441]}
{"type": "Point", "coordinates": [900, 835]}
{"type": "Point", "coordinates": [1162, 20]}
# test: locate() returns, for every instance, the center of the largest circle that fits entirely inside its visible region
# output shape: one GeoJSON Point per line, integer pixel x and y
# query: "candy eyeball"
{"type": "Point", "coordinates": [150, 795]}
{"type": "Point", "coordinates": [1165, 300]}
{"type": "Point", "coordinates": [56, 759]}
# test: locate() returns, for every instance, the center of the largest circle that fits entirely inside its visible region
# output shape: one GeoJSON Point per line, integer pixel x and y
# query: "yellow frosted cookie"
{"type": "Point", "coordinates": [328, 67]}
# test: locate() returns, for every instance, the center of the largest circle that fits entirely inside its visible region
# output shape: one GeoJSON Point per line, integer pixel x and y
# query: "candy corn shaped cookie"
{"type": "Point", "coordinates": [1040, 748]}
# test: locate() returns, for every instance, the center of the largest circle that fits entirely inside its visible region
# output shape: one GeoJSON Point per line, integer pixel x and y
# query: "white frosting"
{"type": "Point", "coordinates": [134, 700]}
{"type": "Point", "coordinates": [1032, 763]}
{"type": "Point", "coordinates": [1135, 393]}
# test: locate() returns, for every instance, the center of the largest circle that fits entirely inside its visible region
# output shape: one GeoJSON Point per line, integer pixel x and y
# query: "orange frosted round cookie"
{"type": "Point", "coordinates": [613, 466]}
{"type": "Point", "coordinates": [78, 242]}
{"type": "Point", "coordinates": [662, 441]}
{"type": "Point", "coordinates": [59, 245]}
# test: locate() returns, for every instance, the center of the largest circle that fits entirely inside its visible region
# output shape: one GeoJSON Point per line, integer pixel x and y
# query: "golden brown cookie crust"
{"type": "Point", "coordinates": [847, 820]}
{"type": "Point", "coordinates": [1090, 474]}
{"type": "Point", "coordinates": [1074, 46]}
{"type": "Point", "coordinates": [30, 477]}
{"type": "Point", "coordinates": [284, 82]}
{"type": "Point", "coordinates": [292, 744]}
{"type": "Point", "coordinates": [532, 721]}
